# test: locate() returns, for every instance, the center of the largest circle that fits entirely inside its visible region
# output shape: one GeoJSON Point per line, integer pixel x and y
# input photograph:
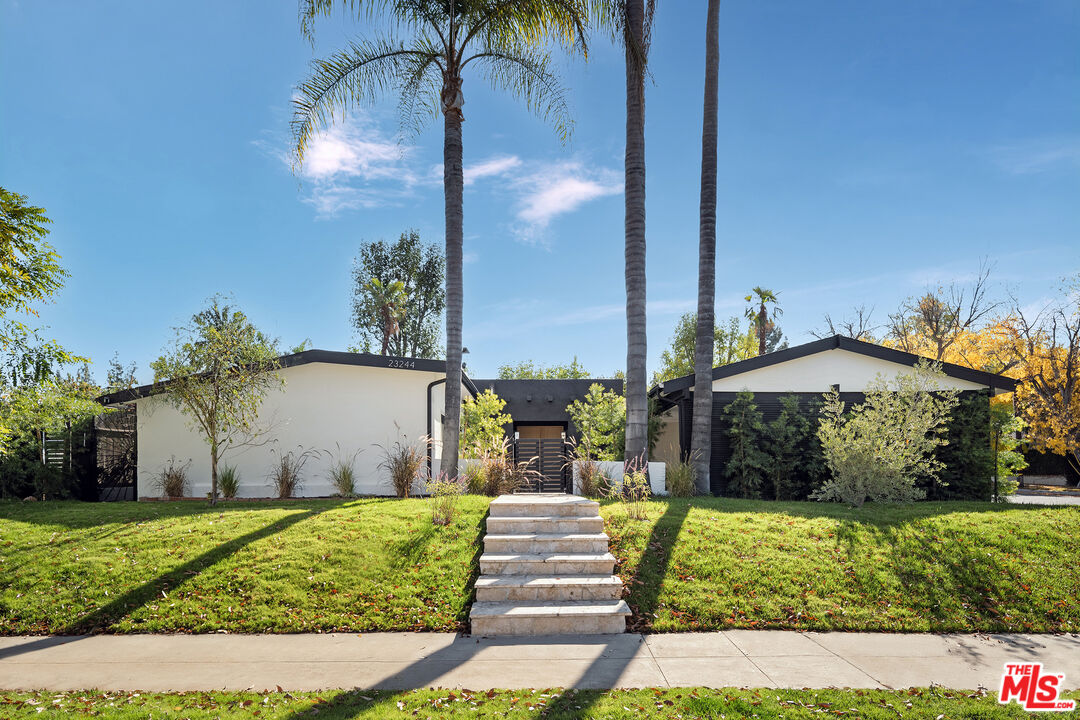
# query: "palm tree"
{"type": "Point", "coordinates": [504, 41]}
{"type": "Point", "coordinates": [389, 299]}
{"type": "Point", "coordinates": [701, 428]}
{"type": "Point", "coordinates": [631, 24]}
{"type": "Point", "coordinates": [759, 316]}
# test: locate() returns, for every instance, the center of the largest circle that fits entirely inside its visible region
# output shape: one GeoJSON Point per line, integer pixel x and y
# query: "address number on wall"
{"type": "Point", "coordinates": [402, 364]}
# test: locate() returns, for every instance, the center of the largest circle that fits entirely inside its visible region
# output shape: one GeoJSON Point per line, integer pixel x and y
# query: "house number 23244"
{"type": "Point", "coordinates": [402, 364]}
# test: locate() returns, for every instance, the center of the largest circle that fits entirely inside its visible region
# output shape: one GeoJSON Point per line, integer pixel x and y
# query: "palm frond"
{"type": "Point", "coordinates": [409, 13]}
{"type": "Point", "coordinates": [348, 78]}
{"type": "Point", "coordinates": [611, 14]}
{"type": "Point", "coordinates": [524, 72]}
{"type": "Point", "coordinates": [419, 103]}
{"type": "Point", "coordinates": [493, 23]}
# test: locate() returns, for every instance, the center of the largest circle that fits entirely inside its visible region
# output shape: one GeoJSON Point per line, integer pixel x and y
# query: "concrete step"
{"type": "Point", "coordinates": [547, 564]}
{"type": "Point", "coordinates": [572, 618]}
{"type": "Point", "coordinates": [548, 505]}
{"type": "Point", "coordinates": [512, 525]}
{"type": "Point", "coordinates": [546, 542]}
{"type": "Point", "coordinates": [547, 588]}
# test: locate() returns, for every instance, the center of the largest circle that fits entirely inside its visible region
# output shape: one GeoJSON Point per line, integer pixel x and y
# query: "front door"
{"type": "Point", "coordinates": [542, 450]}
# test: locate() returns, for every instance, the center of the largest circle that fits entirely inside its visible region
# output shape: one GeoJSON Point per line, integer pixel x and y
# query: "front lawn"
{"type": "Point", "coordinates": [686, 704]}
{"type": "Point", "coordinates": [715, 563]}
{"type": "Point", "coordinates": [294, 566]}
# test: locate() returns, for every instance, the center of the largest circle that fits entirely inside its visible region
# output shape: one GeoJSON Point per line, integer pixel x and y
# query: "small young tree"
{"type": "Point", "coordinates": [881, 448]}
{"type": "Point", "coordinates": [217, 373]}
{"type": "Point", "coordinates": [786, 438]}
{"type": "Point", "coordinates": [482, 421]}
{"type": "Point", "coordinates": [747, 467]}
{"type": "Point", "coordinates": [601, 422]}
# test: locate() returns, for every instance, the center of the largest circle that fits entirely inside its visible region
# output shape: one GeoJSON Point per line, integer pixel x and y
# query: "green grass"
{"type": "Point", "coordinates": [713, 563]}
{"type": "Point", "coordinates": [934, 703]}
{"type": "Point", "coordinates": [303, 566]}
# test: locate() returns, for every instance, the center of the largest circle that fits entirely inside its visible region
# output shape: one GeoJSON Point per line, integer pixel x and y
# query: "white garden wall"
{"type": "Point", "coordinates": [818, 372]}
{"type": "Point", "coordinates": [614, 471]}
{"type": "Point", "coordinates": [324, 406]}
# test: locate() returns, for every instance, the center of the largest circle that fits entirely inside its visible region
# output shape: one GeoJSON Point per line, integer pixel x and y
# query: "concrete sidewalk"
{"type": "Point", "coordinates": [398, 661]}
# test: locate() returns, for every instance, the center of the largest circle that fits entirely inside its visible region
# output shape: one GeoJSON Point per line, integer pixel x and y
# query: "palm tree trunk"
{"type": "Point", "coordinates": [701, 429]}
{"type": "Point", "coordinates": [637, 406]}
{"type": "Point", "coordinates": [453, 185]}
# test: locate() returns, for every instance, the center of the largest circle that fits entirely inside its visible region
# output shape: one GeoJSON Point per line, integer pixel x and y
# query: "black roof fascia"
{"type": "Point", "coordinates": [330, 357]}
{"type": "Point", "coordinates": [839, 342]}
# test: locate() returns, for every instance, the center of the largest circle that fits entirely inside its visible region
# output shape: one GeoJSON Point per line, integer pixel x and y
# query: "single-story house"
{"type": "Point", "coordinates": [335, 404]}
{"type": "Point", "coordinates": [806, 371]}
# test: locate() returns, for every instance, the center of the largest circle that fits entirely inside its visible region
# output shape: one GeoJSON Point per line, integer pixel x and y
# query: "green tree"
{"type": "Point", "coordinates": [758, 313]}
{"type": "Point", "coordinates": [601, 422]}
{"type": "Point", "coordinates": [527, 370]}
{"type": "Point", "coordinates": [388, 303]}
{"type": "Point", "coordinates": [730, 344]}
{"type": "Point", "coordinates": [705, 336]}
{"type": "Point", "coordinates": [421, 270]}
{"type": "Point", "coordinates": [746, 468]}
{"type": "Point", "coordinates": [879, 449]}
{"type": "Point", "coordinates": [505, 42]}
{"type": "Point", "coordinates": [1005, 438]}
{"type": "Point", "coordinates": [482, 421]}
{"type": "Point", "coordinates": [786, 438]}
{"type": "Point", "coordinates": [120, 376]}
{"type": "Point", "coordinates": [217, 373]}
{"type": "Point", "coordinates": [33, 396]}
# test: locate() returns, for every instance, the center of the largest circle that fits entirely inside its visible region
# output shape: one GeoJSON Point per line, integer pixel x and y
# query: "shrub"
{"type": "Point", "coordinates": [592, 482]}
{"type": "Point", "coordinates": [404, 461]}
{"type": "Point", "coordinates": [172, 480]}
{"type": "Point", "coordinates": [635, 490]}
{"type": "Point", "coordinates": [343, 473]}
{"type": "Point", "coordinates": [444, 491]}
{"type": "Point", "coordinates": [681, 479]}
{"type": "Point", "coordinates": [748, 463]}
{"type": "Point", "coordinates": [482, 421]}
{"type": "Point", "coordinates": [502, 475]}
{"type": "Point", "coordinates": [1005, 429]}
{"type": "Point", "coordinates": [228, 481]}
{"type": "Point", "coordinates": [786, 438]}
{"type": "Point", "coordinates": [285, 475]}
{"type": "Point", "coordinates": [884, 445]}
{"type": "Point", "coordinates": [967, 459]}
{"type": "Point", "coordinates": [474, 477]}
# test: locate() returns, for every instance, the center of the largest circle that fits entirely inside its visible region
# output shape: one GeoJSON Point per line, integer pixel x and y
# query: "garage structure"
{"type": "Point", "coordinates": [806, 371]}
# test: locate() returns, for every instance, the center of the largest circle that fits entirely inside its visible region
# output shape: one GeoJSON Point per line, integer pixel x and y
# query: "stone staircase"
{"type": "Point", "coordinates": [546, 570]}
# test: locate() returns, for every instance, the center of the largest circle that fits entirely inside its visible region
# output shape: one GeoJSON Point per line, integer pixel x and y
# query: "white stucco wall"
{"type": "Point", "coordinates": [818, 372]}
{"type": "Point", "coordinates": [323, 406]}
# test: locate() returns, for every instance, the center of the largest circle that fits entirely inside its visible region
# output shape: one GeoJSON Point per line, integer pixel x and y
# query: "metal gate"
{"type": "Point", "coordinates": [544, 461]}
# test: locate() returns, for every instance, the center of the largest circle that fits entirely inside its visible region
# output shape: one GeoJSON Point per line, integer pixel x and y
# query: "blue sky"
{"type": "Point", "coordinates": [867, 149]}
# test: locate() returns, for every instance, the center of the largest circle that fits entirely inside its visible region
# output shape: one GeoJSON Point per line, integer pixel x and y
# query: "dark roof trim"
{"type": "Point", "coordinates": [330, 357]}
{"type": "Point", "coordinates": [838, 342]}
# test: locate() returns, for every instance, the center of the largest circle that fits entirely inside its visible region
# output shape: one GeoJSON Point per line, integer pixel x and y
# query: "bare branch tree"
{"type": "Point", "coordinates": [857, 326]}
{"type": "Point", "coordinates": [930, 324]}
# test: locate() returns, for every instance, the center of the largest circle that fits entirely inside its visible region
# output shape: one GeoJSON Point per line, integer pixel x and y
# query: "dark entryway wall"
{"type": "Point", "coordinates": [543, 402]}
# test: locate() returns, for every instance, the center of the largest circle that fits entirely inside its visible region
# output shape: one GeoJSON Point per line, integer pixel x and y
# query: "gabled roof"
{"type": "Point", "coordinates": [838, 342]}
{"type": "Point", "coordinates": [331, 357]}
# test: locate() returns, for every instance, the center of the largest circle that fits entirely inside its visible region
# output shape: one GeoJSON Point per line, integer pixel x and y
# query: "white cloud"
{"type": "Point", "coordinates": [562, 188]}
{"type": "Point", "coordinates": [348, 151]}
{"type": "Point", "coordinates": [492, 167]}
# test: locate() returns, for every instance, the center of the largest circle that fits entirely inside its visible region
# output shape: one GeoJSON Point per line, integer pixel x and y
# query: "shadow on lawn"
{"type": "Point", "coordinates": [99, 620]}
